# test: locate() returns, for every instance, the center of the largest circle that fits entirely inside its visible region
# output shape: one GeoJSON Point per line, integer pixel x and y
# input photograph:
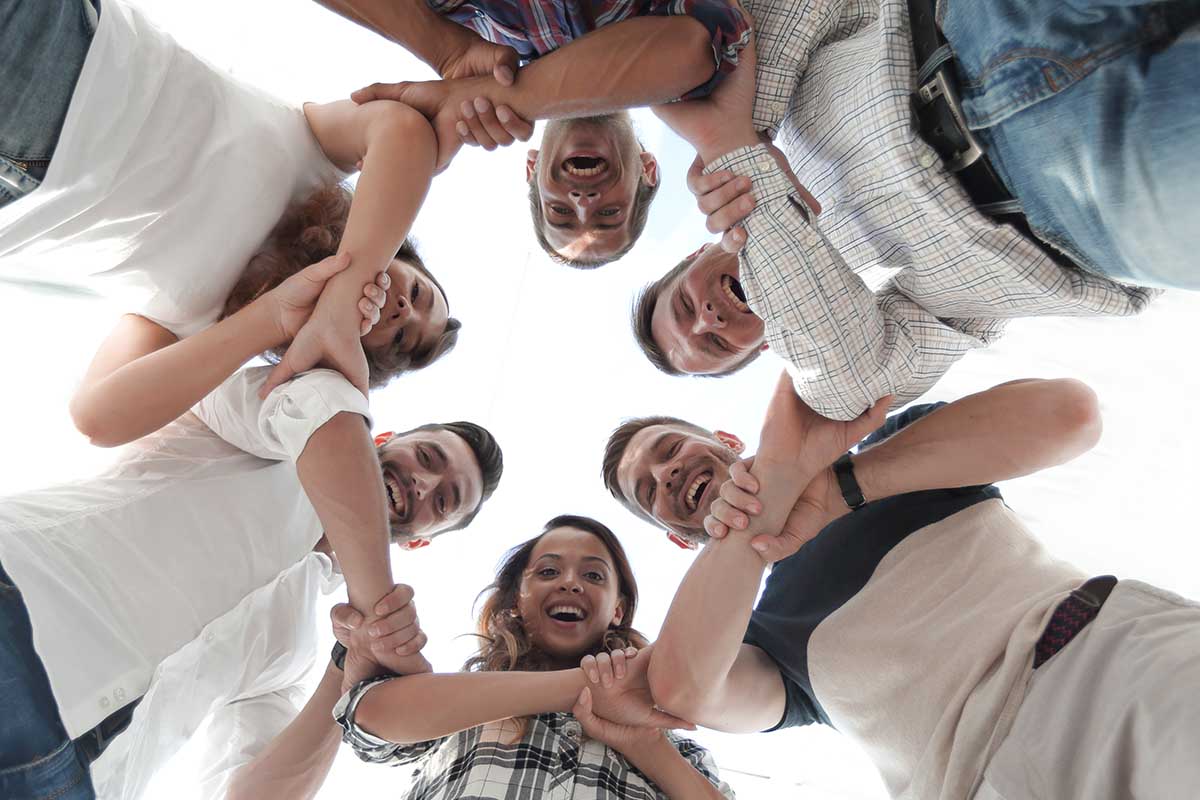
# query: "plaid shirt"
{"type": "Point", "coordinates": [903, 275]}
{"type": "Point", "coordinates": [536, 27]}
{"type": "Point", "coordinates": [554, 760]}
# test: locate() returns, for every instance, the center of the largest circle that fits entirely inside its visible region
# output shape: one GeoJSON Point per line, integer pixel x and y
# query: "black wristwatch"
{"type": "Point", "coordinates": [843, 469]}
{"type": "Point", "coordinates": [338, 656]}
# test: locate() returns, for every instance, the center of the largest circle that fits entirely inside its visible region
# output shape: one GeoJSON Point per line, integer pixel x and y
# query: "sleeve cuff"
{"type": "Point", "coordinates": [756, 163]}
{"type": "Point", "coordinates": [301, 406]}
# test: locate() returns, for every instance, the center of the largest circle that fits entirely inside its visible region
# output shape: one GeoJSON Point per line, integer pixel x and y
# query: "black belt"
{"type": "Point", "coordinates": [93, 743]}
{"type": "Point", "coordinates": [941, 123]}
{"type": "Point", "coordinates": [1072, 616]}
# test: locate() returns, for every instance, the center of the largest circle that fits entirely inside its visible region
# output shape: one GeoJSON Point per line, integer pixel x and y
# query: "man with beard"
{"type": "Point", "coordinates": [180, 584]}
{"type": "Point", "coordinates": [591, 185]}
{"type": "Point", "coordinates": [910, 608]}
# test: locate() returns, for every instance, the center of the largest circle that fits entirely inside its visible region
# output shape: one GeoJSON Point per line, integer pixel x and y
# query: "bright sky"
{"type": "Point", "coordinates": [546, 360]}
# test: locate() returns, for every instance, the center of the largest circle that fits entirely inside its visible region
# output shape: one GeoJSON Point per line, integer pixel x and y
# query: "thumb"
{"type": "Point", "coordinates": [583, 705]}
{"type": "Point", "coordinates": [345, 617]}
{"type": "Point", "coordinates": [694, 173]}
{"type": "Point", "coordinates": [870, 419]}
{"type": "Point", "coordinates": [505, 69]}
{"type": "Point", "coordinates": [774, 548]}
{"type": "Point", "coordinates": [279, 375]}
{"type": "Point", "coordinates": [326, 268]}
{"type": "Point", "coordinates": [661, 719]}
{"type": "Point", "coordinates": [379, 91]}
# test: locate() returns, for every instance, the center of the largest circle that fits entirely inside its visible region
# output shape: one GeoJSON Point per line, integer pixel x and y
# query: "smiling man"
{"type": "Point", "coordinates": [183, 580]}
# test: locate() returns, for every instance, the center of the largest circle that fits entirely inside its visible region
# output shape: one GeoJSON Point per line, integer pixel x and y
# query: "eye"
{"type": "Point", "coordinates": [650, 495]}
{"type": "Point", "coordinates": [399, 338]}
{"type": "Point", "coordinates": [547, 572]}
{"type": "Point", "coordinates": [594, 576]}
{"type": "Point", "coordinates": [560, 210]}
{"type": "Point", "coordinates": [609, 212]}
{"type": "Point", "coordinates": [441, 504]}
{"type": "Point", "coordinates": [423, 457]}
{"type": "Point", "coordinates": [720, 343]}
{"type": "Point", "coordinates": [674, 451]}
{"type": "Point", "coordinates": [415, 293]}
{"type": "Point", "coordinates": [686, 302]}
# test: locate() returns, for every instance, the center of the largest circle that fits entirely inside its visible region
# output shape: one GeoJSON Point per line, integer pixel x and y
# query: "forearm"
{"type": "Point", "coordinates": [339, 471]}
{"type": "Point", "coordinates": [409, 23]}
{"type": "Point", "coordinates": [637, 62]}
{"type": "Point", "coordinates": [1005, 432]}
{"type": "Point", "coordinates": [671, 772]}
{"type": "Point", "coordinates": [418, 708]}
{"type": "Point", "coordinates": [703, 631]}
{"type": "Point", "coordinates": [148, 392]}
{"type": "Point", "coordinates": [296, 762]}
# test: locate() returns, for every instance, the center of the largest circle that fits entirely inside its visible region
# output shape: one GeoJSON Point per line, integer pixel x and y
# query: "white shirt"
{"type": "Point", "coordinates": [184, 573]}
{"type": "Point", "coordinates": [169, 175]}
{"type": "Point", "coordinates": [901, 274]}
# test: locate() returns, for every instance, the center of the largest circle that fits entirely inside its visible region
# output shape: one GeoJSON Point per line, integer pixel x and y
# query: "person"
{"type": "Point", "coordinates": [522, 716]}
{"type": "Point", "coordinates": [910, 608]}
{"type": "Point", "coordinates": [924, 250]}
{"type": "Point", "coordinates": [180, 583]}
{"type": "Point", "coordinates": [591, 183]}
{"type": "Point", "coordinates": [199, 186]}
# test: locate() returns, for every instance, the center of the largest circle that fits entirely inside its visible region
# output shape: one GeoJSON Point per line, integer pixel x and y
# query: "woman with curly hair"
{"type": "Point", "coordinates": [554, 704]}
{"type": "Point", "coordinates": [192, 199]}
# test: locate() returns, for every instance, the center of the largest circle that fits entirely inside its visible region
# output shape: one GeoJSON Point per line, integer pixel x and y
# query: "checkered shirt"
{"type": "Point", "coordinates": [554, 760]}
{"type": "Point", "coordinates": [536, 27]}
{"type": "Point", "coordinates": [903, 275]}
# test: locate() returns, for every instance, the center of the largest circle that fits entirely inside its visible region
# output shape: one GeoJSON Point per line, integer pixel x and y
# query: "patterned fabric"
{"type": "Point", "coordinates": [554, 760]}
{"type": "Point", "coordinates": [536, 27]}
{"type": "Point", "coordinates": [1070, 617]}
{"type": "Point", "coordinates": [903, 275]}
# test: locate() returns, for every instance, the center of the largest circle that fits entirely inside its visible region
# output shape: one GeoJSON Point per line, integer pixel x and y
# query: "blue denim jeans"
{"type": "Point", "coordinates": [37, 759]}
{"type": "Point", "coordinates": [1090, 112]}
{"type": "Point", "coordinates": [43, 44]}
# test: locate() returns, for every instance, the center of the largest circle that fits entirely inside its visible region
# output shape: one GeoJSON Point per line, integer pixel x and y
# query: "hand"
{"type": "Point", "coordinates": [621, 695]}
{"type": "Point", "coordinates": [481, 57]}
{"type": "Point", "coordinates": [625, 739]}
{"type": "Point", "coordinates": [330, 338]}
{"type": "Point", "coordinates": [820, 504]}
{"type": "Point", "coordinates": [446, 104]}
{"type": "Point", "coordinates": [291, 303]}
{"type": "Point", "coordinates": [391, 640]}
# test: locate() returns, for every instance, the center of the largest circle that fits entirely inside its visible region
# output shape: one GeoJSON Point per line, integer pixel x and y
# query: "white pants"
{"type": "Point", "coordinates": [1115, 713]}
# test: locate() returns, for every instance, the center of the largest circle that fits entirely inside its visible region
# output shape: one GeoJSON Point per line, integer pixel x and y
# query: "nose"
{"type": "Point", "coordinates": [665, 474]}
{"type": "Point", "coordinates": [421, 484]}
{"type": "Point", "coordinates": [569, 584]}
{"type": "Point", "coordinates": [582, 202]}
{"type": "Point", "coordinates": [399, 310]}
{"type": "Point", "coordinates": [708, 318]}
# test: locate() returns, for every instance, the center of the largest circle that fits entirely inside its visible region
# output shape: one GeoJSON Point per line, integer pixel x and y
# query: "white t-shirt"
{"type": "Point", "coordinates": [168, 177]}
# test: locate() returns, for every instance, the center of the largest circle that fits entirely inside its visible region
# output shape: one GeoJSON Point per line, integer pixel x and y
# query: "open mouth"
{"type": "Point", "coordinates": [692, 498]}
{"type": "Point", "coordinates": [566, 613]}
{"type": "Point", "coordinates": [397, 497]}
{"type": "Point", "coordinates": [734, 293]}
{"type": "Point", "coordinates": [585, 166]}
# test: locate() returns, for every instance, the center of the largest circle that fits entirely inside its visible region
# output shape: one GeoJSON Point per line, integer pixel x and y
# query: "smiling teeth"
{"type": "Point", "coordinates": [727, 288]}
{"type": "Point", "coordinates": [575, 612]}
{"type": "Point", "coordinates": [394, 494]}
{"type": "Point", "coordinates": [694, 489]}
{"type": "Point", "coordinates": [599, 167]}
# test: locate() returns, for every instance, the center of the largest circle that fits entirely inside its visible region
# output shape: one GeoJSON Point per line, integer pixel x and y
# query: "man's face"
{"type": "Point", "coordinates": [432, 480]}
{"type": "Point", "coordinates": [588, 172]}
{"type": "Point", "coordinates": [672, 474]}
{"type": "Point", "coordinates": [701, 321]}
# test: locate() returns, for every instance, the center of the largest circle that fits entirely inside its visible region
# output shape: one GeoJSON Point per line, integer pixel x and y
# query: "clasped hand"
{"type": "Point", "coordinates": [390, 641]}
{"type": "Point", "coordinates": [616, 707]}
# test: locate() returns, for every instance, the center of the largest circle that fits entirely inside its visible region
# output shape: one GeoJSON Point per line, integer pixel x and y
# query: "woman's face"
{"type": "Point", "coordinates": [569, 594]}
{"type": "Point", "coordinates": [414, 315]}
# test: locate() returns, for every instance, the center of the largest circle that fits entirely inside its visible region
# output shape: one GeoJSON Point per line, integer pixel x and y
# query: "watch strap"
{"type": "Point", "coordinates": [338, 656]}
{"type": "Point", "coordinates": [843, 470]}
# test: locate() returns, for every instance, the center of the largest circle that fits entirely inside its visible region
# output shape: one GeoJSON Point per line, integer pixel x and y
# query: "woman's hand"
{"type": "Point", "coordinates": [619, 691]}
{"type": "Point", "coordinates": [292, 301]}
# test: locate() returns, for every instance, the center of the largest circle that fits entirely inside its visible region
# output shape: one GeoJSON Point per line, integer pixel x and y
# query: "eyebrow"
{"type": "Point", "coordinates": [570, 226]}
{"type": "Point", "coordinates": [557, 557]}
{"type": "Point", "coordinates": [441, 454]}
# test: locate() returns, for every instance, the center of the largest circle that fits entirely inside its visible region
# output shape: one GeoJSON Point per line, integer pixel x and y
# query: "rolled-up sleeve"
{"type": "Point", "coordinates": [728, 27]}
{"type": "Point", "coordinates": [702, 761]}
{"type": "Point", "coordinates": [279, 427]}
{"type": "Point", "coordinates": [846, 345]}
{"type": "Point", "coordinates": [368, 746]}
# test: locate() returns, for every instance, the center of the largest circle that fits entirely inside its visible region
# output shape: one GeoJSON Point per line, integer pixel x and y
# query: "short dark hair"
{"type": "Point", "coordinates": [642, 316]}
{"type": "Point", "coordinates": [638, 214]}
{"type": "Point", "coordinates": [487, 454]}
{"type": "Point", "coordinates": [618, 442]}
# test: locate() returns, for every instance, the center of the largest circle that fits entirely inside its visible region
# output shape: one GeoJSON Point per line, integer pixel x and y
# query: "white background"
{"type": "Point", "coordinates": [546, 360]}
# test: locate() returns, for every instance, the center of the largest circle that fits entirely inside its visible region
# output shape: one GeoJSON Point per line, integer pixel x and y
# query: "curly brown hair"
{"type": "Point", "coordinates": [309, 231]}
{"type": "Point", "coordinates": [504, 643]}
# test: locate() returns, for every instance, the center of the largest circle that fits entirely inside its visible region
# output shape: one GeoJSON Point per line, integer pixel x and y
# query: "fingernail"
{"type": "Point", "coordinates": [503, 115]}
{"type": "Point", "coordinates": [742, 522]}
{"type": "Point", "coordinates": [481, 104]}
{"type": "Point", "coordinates": [506, 73]}
{"type": "Point", "coordinates": [373, 630]}
{"type": "Point", "coordinates": [468, 110]}
{"type": "Point", "coordinates": [387, 281]}
{"type": "Point", "coordinates": [462, 129]}
{"type": "Point", "coordinates": [759, 546]}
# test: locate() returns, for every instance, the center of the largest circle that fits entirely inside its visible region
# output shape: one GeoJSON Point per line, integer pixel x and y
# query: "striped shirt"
{"type": "Point", "coordinates": [536, 27]}
{"type": "Point", "coordinates": [552, 760]}
{"type": "Point", "coordinates": [903, 275]}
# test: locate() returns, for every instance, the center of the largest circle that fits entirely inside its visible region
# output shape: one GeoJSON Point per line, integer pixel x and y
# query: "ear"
{"type": "Point", "coordinates": [619, 614]}
{"type": "Point", "coordinates": [703, 247]}
{"type": "Point", "coordinates": [416, 544]}
{"type": "Point", "coordinates": [530, 164]}
{"type": "Point", "coordinates": [765, 346]}
{"type": "Point", "coordinates": [679, 541]}
{"type": "Point", "coordinates": [383, 438]}
{"type": "Point", "coordinates": [729, 440]}
{"type": "Point", "coordinates": [649, 168]}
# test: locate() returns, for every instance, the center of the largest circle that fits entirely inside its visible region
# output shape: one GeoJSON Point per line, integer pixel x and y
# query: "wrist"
{"type": "Point", "coordinates": [724, 141]}
{"type": "Point", "coordinates": [266, 328]}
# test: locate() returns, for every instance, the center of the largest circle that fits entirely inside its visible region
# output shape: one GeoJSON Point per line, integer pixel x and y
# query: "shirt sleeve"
{"type": "Point", "coordinates": [702, 760]}
{"type": "Point", "coordinates": [368, 746]}
{"type": "Point", "coordinates": [728, 26]}
{"type": "Point", "coordinates": [279, 427]}
{"type": "Point", "coordinates": [238, 731]}
{"type": "Point", "coordinates": [846, 346]}
{"type": "Point", "coordinates": [899, 421]}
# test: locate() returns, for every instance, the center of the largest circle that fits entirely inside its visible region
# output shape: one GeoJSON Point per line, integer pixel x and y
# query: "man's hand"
{"type": "Point", "coordinates": [623, 738]}
{"type": "Point", "coordinates": [820, 504]}
{"type": "Point", "coordinates": [478, 56]}
{"type": "Point", "coordinates": [390, 641]}
{"type": "Point", "coordinates": [457, 109]}
{"type": "Point", "coordinates": [620, 691]}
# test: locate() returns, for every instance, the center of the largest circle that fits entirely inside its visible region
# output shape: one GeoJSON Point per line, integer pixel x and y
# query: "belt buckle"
{"type": "Point", "coordinates": [939, 86]}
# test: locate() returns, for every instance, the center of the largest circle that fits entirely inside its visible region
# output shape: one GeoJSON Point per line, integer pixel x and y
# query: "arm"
{"type": "Point", "coordinates": [674, 775]}
{"type": "Point", "coordinates": [396, 147]}
{"type": "Point", "coordinates": [295, 763]}
{"type": "Point", "coordinates": [142, 376]}
{"type": "Point", "coordinates": [412, 24]}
